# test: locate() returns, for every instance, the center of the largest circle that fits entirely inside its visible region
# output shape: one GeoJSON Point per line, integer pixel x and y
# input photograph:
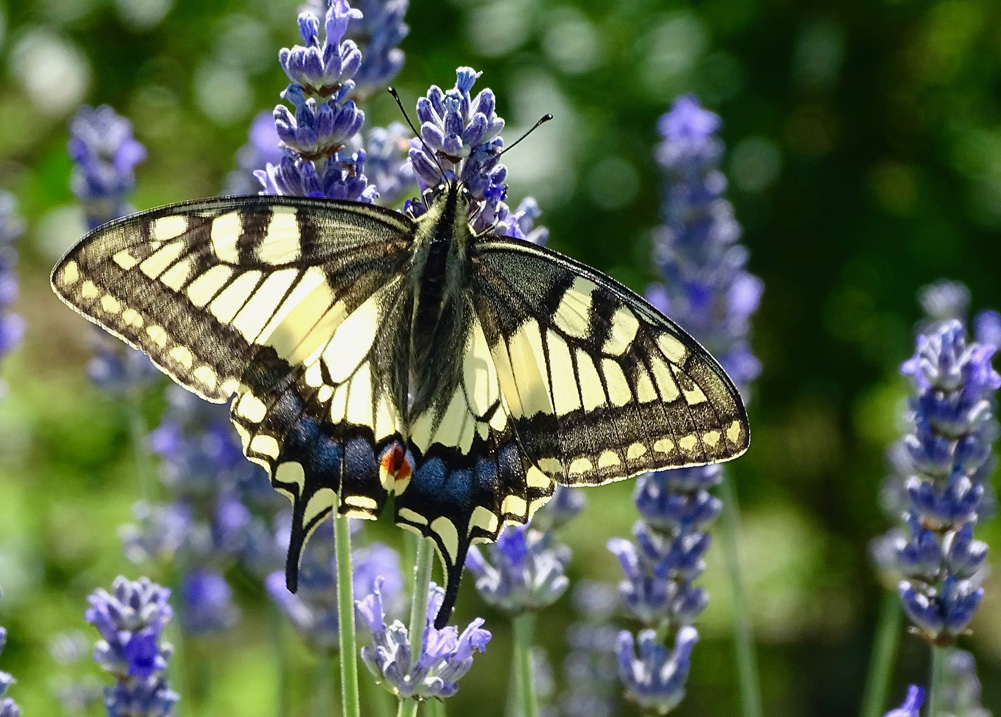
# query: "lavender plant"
{"type": "Point", "coordinates": [937, 483]}
{"type": "Point", "coordinates": [707, 290]}
{"type": "Point", "coordinates": [949, 449]}
{"type": "Point", "coordinates": [323, 156]}
{"type": "Point", "coordinates": [463, 132]}
{"type": "Point", "coordinates": [131, 621]}
{"type": "Point", "coordinates": [524, 574]}
{"type": "Point", "coordinates": [105, 154]}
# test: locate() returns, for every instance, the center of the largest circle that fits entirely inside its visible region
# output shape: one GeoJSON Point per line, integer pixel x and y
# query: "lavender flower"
{"type": "Point", "coordinates": [655, 678]}
{"type": "Point", "coordinates": [912, 704]}
{"type": "Point", "coordinates": [312, 610]}
{"type": "Point", "coordinates": [11, 229]}
{"type": "Point", "coordinates": [944, 460]}
{"type": "Point", "coordinates": [131, 622]}
{"type": "Point", "coordinates": [707, 290]}
{"type": "Point", "coordinates": [317, 160]}
{"type": "Point", "coordinates": [525, 570]}
{"type": "Point", "coordinates": [104, 155]}
{"type": "Point", "coordinates": [8, 708]}
{"type": "Point", "coordinates": [446, 655]}
{"type": "Point", "coordinates": [463, 133]}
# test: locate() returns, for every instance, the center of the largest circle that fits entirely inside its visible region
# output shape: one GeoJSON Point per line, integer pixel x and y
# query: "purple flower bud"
{"type": "Point", "coordinates": [912, 704]}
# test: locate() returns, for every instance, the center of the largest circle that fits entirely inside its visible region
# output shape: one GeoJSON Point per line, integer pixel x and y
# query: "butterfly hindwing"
{"type": "Point", "coordinates": [279, 300]}
{"type": "Point", "coordinates": [601, 385]}
{"type": "Point", "coordinates": [467, 472]}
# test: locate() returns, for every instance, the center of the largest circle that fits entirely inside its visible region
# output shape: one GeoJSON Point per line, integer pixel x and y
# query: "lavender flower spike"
{"type": "Point", "coordinates": [912, 704]}
{"type": "Point", "coordinates": [946, 457]}
{"type": "Point", "coordinates": [655, 678]}
{"type": "Point", "coordinates": [707, 290]}
{"type": "Point", "coordinates": [104, 155]}
{"type": "Point", "coordinates": [378, 33]}
{"type": "Point", "coordinates": [322, 69]}
{"type": "Point", "coordinates": [463, 135]}
{"type": "Point", "coordinates": [317, 160]}
{"type": "Point", "coordinates": [131, 622]}
{"type": "Point", "coordinates": [446, 655]}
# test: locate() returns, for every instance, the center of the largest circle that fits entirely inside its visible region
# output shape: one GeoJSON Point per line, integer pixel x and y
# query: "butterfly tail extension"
{"type": "Point", "coordinates": [318, 465]}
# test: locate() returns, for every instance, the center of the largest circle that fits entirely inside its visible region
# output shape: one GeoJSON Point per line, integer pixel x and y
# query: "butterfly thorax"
{"type": "Point", "coordinates": [439, 309]}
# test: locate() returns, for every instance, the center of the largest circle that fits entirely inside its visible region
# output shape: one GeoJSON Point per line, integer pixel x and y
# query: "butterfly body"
{"type": "Point", "coordinates": [438, 284]}
{"type": "Point", "coordinates": [368, 354]}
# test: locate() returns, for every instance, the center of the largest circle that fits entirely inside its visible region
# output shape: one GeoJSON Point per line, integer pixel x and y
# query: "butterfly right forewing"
{"type": "Point", "coordinates": [601, 384]}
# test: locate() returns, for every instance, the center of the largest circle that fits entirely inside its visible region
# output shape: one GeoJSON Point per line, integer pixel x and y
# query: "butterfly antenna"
{"type": "Point", "coordinates": [432, 155]}
{"type": "Point", "coordinates": [542, 120]}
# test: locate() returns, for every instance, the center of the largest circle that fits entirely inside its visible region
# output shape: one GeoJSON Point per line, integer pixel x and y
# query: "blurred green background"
{"type": "Point", "coordinates": [864, 158]}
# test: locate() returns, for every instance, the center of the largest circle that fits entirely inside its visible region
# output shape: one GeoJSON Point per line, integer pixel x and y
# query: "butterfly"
{"type": "Point", "coordinates": [369, 354]}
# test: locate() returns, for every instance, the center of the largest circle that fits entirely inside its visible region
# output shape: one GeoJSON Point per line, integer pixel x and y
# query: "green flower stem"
{"type": "Point", "coordinates": [435, 708]}
{"type": "Point", "coordinates": [418, 613]}
{"type": "Point", "coordinates": [524, 626]}
{"type": "Point", "coordinates": [937, 678]}
{"type": "Point", "coordinates": [350, 706]}
{"type": "Point", "coordinates": [747, 663]}
{"type": "Point", "coordinates": [884, 654]}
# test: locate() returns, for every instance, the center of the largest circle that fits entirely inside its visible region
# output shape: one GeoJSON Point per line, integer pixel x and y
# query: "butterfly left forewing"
{"type": "Point", "coordinates": [602, 386]}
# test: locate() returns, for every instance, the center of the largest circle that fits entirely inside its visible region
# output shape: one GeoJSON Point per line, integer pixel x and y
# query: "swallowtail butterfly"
{"type": "Point", "coordinates": [369, 354]}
